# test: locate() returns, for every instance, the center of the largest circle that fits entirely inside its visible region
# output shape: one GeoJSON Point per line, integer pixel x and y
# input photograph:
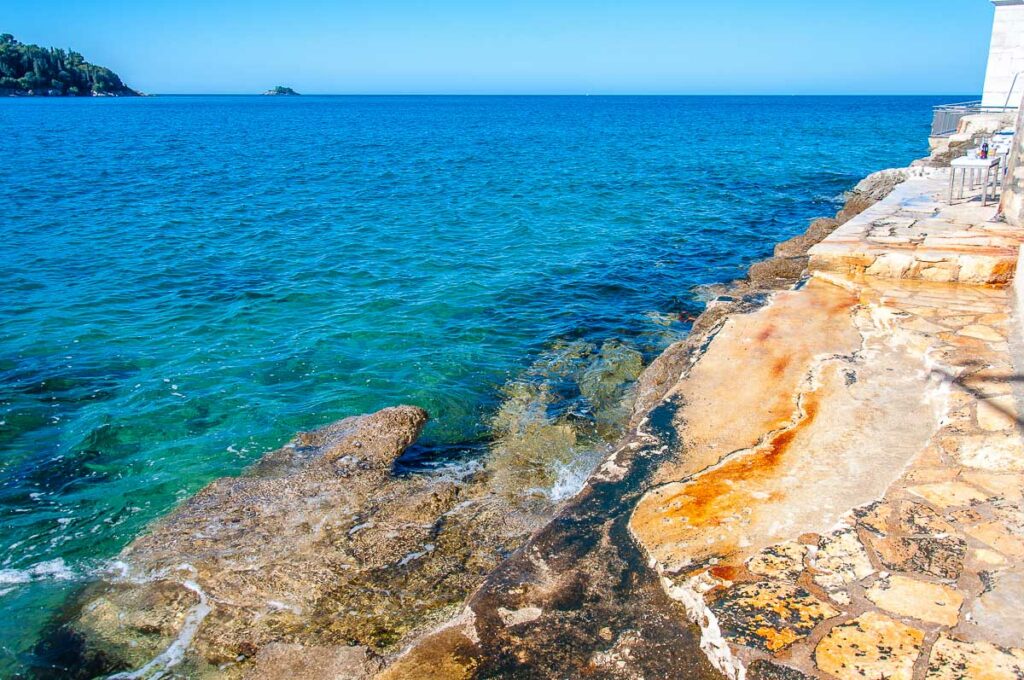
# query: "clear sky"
{"type": "Point", "coordinates": [523, 46]}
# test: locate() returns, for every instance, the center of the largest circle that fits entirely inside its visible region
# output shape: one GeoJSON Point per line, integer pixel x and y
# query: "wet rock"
{"type": "Point", "coordinates": [580, 596]}
{"type": "Point", "coordinates": [319, 546]}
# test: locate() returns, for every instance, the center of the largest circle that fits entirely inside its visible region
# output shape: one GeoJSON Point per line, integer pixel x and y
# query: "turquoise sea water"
{"type": "Point", "coordinates": [185, 282]}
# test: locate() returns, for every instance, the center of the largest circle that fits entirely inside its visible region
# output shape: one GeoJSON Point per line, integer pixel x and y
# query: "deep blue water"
{"type": "Point", "coordinates": [187, 281]}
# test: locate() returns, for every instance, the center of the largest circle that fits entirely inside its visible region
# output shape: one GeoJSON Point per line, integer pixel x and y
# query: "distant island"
{"type": "Point", "coordinates": [282, 90]}
{"type": "Point", "coordinates": [31, 70]}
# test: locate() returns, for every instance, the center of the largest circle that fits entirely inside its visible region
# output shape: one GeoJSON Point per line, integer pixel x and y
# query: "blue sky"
{"type": "Point", "coordinates": [524, 46]}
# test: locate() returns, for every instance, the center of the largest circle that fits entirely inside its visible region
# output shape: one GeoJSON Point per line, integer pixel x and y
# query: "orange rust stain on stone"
{"type": "Point", "coordinates": [726, 572]}
{"type": "Point", "coordinates": [780, 365]}
{"type": "Point", "coordinates": [722, 496]}
{"type": "Point", "coordinates": [767, 332]}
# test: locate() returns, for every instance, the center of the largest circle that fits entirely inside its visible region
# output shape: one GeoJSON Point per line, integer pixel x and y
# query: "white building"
{"type": "Point", "coordinates": [1004, 77]}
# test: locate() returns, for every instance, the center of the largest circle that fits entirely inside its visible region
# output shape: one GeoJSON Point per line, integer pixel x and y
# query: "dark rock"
{"type": "Point", "coordinates": [769, 670]}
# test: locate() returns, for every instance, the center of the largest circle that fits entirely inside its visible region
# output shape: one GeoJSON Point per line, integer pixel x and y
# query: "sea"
{"type": "Point", "coordinates": [187, 281]}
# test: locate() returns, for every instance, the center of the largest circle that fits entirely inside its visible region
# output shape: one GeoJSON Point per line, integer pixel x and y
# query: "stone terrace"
{"type": "Point", "coordinates": [916, 234]}
{"type": "Point", "coordinates": [863, 517]}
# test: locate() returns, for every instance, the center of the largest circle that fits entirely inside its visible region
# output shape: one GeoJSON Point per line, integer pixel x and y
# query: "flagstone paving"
{"type": "Point", "coordinates": [916, 234]}
{"type": "Point", "coordinates": [865, 517]}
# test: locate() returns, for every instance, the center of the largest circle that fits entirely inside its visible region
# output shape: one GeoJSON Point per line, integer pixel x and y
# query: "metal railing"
{"type": "Point", "coordinates": [947, 117]}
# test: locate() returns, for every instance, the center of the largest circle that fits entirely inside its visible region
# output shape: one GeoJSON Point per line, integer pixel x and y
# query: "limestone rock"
{"type": "Point", "coordinates": [280, 660]}
{"type": "Point", "coordinates": [931, 602]}
{"type": "Point", "coordinates": [869, 646]}
{"type": "Point", "coordinates": [939, 556]}
{"type": "Point", "coordinates": [952, 659]}
{"type": "Point", "coordinates": [785, 560]}
{"type": "Point", "coordinates": [840, 560]}
{"type": "Point", "coordinates": [821, 227]}
{"type": "Point", "coordinates": [769, 615]}
{"type": "Point", "coordinates": [878, 185]}
{"type": "Point", "coordinates": [777, 271]}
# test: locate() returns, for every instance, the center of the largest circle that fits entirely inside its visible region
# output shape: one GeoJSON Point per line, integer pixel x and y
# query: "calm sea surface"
{"type": "Point", "coordinates": [185, 282]}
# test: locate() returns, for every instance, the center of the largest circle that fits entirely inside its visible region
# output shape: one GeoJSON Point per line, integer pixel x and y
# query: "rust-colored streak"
{"type": "Point", "coordinates": [767, 332]}
{"type": "Point", "coordinates": [780, 365]}
{"type": "Point", "coordinates": [726, 572]}
{"type": "Point", "coordinates": [722, 498]}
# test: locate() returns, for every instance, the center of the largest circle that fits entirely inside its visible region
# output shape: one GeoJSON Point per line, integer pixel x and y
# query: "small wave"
{"type": "Point", "coordinates": [50, 570]}
{"type": "Point", "coordinates": [558, 418]}
{"type": "Point", "coordinates": [570, 478]}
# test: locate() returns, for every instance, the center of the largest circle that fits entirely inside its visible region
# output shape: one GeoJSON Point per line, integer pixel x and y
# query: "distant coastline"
{"type": "Point", "coordinates": [34, 71]}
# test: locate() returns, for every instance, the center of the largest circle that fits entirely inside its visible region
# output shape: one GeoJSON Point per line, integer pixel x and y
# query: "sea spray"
{"type": "Point", "coordinates": [559, 418]}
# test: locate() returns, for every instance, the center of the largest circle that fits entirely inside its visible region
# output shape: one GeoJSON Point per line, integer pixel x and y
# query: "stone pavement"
{"type": "Point", "coordinates": [849, 497]}
{"type": "Point", "coordinates": [916, 234]}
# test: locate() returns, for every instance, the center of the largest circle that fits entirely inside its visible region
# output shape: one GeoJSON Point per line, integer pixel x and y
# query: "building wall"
{"type": "Point", "coordinates": [1012, 202]}
{"type": "Point", "coordinates": [1006, 55]}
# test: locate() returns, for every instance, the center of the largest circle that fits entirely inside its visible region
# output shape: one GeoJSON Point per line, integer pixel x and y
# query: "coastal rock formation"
{"type": "Point", "coordinates": [320, 557]}
{"type": "Point", "coordinates": [826, 481]}
{"type": "Point", "coordinates": [915, 236]}
{"type": "Point", "coordinates": [857, 522]}
{"type": "Point", "coordinates": [784, 270]}
{"type": "Point", "coordinates": [822, 480]}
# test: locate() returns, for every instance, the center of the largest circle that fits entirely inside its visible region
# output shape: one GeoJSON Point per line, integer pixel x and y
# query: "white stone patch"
{"type": "Point", "coordinates": [515, 617]}
{"type": "Point", "coordinates": [690, 594]}
{"type": "Point", "coordinates": [999, 453]}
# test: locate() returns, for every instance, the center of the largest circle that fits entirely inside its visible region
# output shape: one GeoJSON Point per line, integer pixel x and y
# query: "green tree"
{"type": "Point", "coordinates": [32, 68]}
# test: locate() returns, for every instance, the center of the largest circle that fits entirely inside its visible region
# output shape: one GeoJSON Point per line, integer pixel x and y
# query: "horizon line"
{"type": "Point", "coordinates": [555, 94]}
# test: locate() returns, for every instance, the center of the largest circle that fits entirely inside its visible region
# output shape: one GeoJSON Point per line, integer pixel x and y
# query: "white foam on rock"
{"type": "Point", "coordinates": [175, 652]}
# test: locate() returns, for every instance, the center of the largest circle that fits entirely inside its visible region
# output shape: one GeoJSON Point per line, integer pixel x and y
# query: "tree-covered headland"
{"type": "Point", "coordinates": [33, 70]}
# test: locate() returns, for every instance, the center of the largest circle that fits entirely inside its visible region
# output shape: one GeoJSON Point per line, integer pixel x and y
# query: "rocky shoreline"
{"type": "Point", "coordinates": [326, 557]}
